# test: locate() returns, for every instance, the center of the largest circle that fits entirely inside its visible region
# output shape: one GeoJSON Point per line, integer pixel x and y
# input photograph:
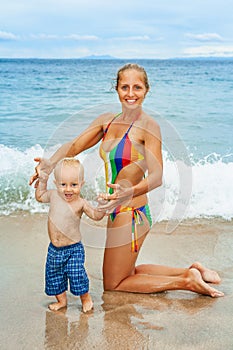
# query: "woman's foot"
{"type": "Point", "coordinates": [207, 274]}
{"type": "Point", "coordinates": [87, 302]}
{"type": "Point", "coordinates": [196, 284]}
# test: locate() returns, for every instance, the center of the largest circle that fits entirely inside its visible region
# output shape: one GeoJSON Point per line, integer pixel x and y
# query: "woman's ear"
{"type": "Point", "coordinates": [146, 92]}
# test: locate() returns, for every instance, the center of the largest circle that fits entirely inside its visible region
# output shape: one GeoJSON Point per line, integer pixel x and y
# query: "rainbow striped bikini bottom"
{"type": "Point", "coordinates": [137, 219]}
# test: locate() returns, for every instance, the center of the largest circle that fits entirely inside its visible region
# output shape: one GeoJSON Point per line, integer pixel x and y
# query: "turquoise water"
{"type": "Point", "coordinates": [192, 97]}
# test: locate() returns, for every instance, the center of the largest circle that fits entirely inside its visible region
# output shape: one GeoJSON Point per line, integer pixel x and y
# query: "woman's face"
{"type": "Point", "coordinates": [131, 88]}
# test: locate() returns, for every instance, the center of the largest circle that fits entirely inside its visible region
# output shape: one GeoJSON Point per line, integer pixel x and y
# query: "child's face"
{"type": "Point", "coordinates": [68, 184]}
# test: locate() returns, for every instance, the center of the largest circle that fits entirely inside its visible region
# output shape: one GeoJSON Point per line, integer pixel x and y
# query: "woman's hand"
{"type": "Point", "coordinates": [120, 195]}
{"type": "Point", "coordinates": [43, 166]}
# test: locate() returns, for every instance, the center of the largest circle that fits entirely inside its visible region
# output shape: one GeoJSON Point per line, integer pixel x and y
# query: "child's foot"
{"type": "Point", "coordinates": [87, 302]}
{"type": "Point", "coordinates": [61, 302]}
{"type": "Point", "coordinates": [57, 306]}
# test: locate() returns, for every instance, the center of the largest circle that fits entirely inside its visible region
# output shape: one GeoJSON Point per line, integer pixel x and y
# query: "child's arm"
{"type": "Point", "coordinates": [92, 212]}
{"type": "Point", "coordinates": [42, 194]}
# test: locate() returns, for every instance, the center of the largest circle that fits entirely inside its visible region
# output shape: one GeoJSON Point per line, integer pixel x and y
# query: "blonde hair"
{"type": "Point", "coordinates": [136, 67]}
{"type": "Point", "coordinates": [69, 162]}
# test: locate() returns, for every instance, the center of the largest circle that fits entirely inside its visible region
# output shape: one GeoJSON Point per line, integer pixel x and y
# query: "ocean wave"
{"type": "Point", "coordinates": [201, 189]}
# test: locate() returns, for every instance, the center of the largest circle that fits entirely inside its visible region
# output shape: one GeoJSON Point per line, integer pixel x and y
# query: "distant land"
{"type": "Point", "coordinates": [109, 57]}
{"type": "Point", "coordinates": [99, 57]}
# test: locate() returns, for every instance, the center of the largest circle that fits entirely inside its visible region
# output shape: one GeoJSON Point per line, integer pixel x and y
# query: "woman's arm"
{"type": "Point", "coordinates": [88, 138]}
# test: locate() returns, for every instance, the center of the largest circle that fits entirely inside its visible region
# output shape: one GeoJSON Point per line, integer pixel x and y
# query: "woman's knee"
{"type": "Point", "coordinates": [110, 284]}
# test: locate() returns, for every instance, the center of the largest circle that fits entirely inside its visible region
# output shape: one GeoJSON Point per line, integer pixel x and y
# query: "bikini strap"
{"type": "Point", "coordinates": [131, 125]}
{"type": "Point", "coordinates": [137, 219]}
{"type": "Point", "coordinates": [129, 128]}
{"type": "Point", "coordinates": [107, 127]}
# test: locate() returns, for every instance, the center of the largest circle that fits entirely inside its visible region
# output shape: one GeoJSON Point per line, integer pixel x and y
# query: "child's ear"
{"type": "Point", "coordinates": [82, 183]}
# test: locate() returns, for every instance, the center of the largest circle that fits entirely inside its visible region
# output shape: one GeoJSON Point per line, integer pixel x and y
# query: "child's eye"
{"type": "Point", "coordinates": [62, 184]}
{"type": "Point", "coordinates": [74, 185]}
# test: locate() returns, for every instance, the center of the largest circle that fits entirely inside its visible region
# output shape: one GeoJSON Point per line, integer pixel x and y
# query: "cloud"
{"type": "Point", "coordinates": [75, 37]}
{"type": "Point", "coordinates": [133, 38]}
{"type": "Point", "coordinates": [5, 36]}
{"type": "Point", "coordinates": [217, 51]}
{"type": "Point", "coordinates": [204, 37]}
{"type": "Point", "coordinates": [44, 36]}
{"type": "Point", "coordinates": [81, 37]}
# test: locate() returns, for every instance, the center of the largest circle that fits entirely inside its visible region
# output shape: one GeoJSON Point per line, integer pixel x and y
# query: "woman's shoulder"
{"type": "Point", "coordinates": [149, 123]}
{"type": "Point", "coordinates": [104, 118]}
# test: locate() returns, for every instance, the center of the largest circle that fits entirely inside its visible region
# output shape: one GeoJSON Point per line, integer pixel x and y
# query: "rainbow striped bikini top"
{"type": "Point", "coordinates": [123, 154]}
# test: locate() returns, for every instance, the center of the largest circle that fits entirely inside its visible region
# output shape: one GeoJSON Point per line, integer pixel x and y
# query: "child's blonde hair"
{"type": "Point", "coordinates": [69, 162]}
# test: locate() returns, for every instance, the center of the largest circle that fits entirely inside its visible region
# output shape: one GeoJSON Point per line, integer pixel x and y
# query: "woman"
{"type": "Point", "coordinates": [131, 147]}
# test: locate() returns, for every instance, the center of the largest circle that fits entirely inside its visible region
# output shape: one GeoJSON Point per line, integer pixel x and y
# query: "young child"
{"type": "Point", "coordinates": [65, 259]}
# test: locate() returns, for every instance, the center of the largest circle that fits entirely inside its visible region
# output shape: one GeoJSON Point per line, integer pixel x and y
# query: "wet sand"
{"type": "Point", "coordinates": [163, 321]}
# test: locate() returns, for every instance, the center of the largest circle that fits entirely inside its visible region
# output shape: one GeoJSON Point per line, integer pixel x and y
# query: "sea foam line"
{"type": "Point", "coordinates": [202, 190]}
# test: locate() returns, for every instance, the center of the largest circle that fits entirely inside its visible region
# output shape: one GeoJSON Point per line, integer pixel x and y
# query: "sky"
{"type": "Point", "coordinates": [119, 28]}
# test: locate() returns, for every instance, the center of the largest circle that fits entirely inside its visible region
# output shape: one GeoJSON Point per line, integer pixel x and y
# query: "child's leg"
{"type": "Point", "coordinates": [61, 302]}
{"type": "Point", "coordinates": [87, 302]}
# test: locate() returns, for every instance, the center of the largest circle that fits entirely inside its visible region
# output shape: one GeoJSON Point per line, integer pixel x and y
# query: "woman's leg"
{"type": "Point", "coordinates": [191, 280]}
{"type": "Point", "coordinates": [119, 266]}
{"type": "Point", "coordinates": [208, 275]}
{"type": "Point", "coordinates": [118, 278]}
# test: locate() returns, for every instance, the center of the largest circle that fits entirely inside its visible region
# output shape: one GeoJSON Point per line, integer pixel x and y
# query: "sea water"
{"type": "Point", "coordinates": [44, 103]}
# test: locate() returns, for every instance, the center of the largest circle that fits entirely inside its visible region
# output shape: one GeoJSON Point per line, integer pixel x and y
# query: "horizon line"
{"type": "Point", "coordinates": [109, 57]}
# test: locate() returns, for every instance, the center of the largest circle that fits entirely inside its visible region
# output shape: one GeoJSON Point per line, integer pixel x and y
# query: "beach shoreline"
{"type": "Point", "coordinates": [171, 320]}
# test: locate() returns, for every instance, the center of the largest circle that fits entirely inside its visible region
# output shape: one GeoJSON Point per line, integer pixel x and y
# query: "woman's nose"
{"type": "Point", "coordinates": [131, 93]}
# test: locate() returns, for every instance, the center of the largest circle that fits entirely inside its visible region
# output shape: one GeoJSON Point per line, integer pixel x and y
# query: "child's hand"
{"type": "Point", "coordinates": [42, 177]}
{"type": "Point", "coordinates": [120, 196]}
{"type": "Point", "coordinates": [44, 165]}
{"type": "Point", "coordinates": [36, 184]}
{"type": "Point", "coordinates": [101, 204]}
{"type": "Point", "coordinates": [101, 201]}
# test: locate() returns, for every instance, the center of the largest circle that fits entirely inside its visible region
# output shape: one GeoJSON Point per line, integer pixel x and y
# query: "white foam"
{"type": "Point", "coordinates": [203, 189]}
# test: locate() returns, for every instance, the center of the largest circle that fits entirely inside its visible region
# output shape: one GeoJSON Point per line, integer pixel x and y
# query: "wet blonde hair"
{"type": "Point", "coordinates": [69, 162]}
{"type": "Point", "coordinates": [135, 67]}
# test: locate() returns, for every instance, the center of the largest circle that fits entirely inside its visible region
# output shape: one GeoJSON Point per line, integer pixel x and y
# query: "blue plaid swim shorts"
{"type": "Point", "coordinates": [66, 264]}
